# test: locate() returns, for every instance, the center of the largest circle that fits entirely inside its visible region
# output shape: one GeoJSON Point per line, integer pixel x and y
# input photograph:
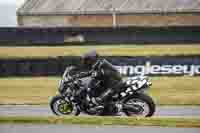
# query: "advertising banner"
{"type": "Point", "coordinates": [128, 66]}
{"type": "Point", "coordinates": [171, 66]}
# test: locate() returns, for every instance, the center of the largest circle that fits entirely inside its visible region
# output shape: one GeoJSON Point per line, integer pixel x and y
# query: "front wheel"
{"type": "Point", "coordinates": [60, 106]}
{"type": "Point", "coordinates": [139, 105]}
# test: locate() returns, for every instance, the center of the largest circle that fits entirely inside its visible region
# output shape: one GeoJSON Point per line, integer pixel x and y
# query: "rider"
{"type": "Point", "coordinates": [103, 71]}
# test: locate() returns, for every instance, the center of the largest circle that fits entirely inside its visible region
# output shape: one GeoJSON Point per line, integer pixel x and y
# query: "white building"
{"type": "Point", "coordinates": [109, 13]}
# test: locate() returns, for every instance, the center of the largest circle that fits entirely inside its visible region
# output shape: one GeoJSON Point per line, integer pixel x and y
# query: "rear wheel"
{"type": "Point", "coordinates": [141, 104]}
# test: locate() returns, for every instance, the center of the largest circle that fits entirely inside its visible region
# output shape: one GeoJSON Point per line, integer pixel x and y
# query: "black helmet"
{"type": "Point", "coordinates": [90, 58]}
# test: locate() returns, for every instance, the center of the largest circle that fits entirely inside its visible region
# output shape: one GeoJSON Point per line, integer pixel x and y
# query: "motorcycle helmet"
{"type": "Point", "coordinates": [89, 59]}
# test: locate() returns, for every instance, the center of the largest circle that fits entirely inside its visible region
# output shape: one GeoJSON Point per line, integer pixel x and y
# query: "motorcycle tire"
{"type": "Point", "coordinates": [145, 98]}
{"type": "Point", "coordinates": [57, 112]}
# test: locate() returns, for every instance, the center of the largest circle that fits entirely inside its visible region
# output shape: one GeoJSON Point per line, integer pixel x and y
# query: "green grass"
{"type": "Point", "coordinates": [101, 121]}
{"type": "Point", "coordinates": [120, 50]}
{"type": "Point", "coordinates": [165, 90]}
{"type": "Point", "coordinates": [176, 90]}
{"type": "Point", "coordinates": [27, 90]}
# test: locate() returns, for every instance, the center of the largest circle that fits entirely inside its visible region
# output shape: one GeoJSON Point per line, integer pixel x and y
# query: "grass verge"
{"type": "Point", "coordinates": [119, 50]}
{"type": "Point", "coordinates": [100, 121]}
{"type": "Point", "coordinates": [165, 90]}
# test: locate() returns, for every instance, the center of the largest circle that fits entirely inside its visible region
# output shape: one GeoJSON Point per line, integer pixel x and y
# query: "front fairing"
{"type": "Point", "coordinates": [61, 85]}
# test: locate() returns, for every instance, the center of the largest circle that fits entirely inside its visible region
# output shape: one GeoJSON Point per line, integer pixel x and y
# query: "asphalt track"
{"type": "Point", "coordinates": [33, 110]}
{"type": "Point", "coordinates": [27, 110]}
{"type": "Point", "coordinates": [28, 128]}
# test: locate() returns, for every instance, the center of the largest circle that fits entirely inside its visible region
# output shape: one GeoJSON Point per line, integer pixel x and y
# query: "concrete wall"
{"type": "Point", "coordinates": [159, 20]}
{"type": "Point", "coordinates": [75, 21]}
{"type": "Point", "coordinates": [42, 21]}
{"type": "Point", "coordinates": [89, 20]}
{"type": "Point", "coordinates": [107, 20]}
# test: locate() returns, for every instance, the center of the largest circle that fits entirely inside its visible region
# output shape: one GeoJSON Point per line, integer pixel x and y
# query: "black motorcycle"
{"type": "Point", "coordinates": [73, 98]}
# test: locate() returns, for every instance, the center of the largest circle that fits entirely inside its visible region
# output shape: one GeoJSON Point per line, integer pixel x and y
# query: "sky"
{"type": "Point", "coordinates": [15, 2]}
{"type": "Point", "coordinates": [8, 12]}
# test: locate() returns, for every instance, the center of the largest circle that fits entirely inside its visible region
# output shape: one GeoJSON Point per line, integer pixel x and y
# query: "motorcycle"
{"type": "Point", "coordinates": [131, 100]}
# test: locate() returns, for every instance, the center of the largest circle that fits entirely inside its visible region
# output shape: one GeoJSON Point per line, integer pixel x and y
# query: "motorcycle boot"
{"type": "Point", "coordinates": [107, 96]}
{"type": "Point", "coordinates": [99, 102]}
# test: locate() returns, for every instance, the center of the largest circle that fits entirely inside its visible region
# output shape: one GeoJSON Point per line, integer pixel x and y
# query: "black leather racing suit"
{"type": "Point", "coordinates": [110, 78]}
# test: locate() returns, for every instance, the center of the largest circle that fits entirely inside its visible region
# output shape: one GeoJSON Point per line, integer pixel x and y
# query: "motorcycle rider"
{"type": "Point", "coordinates": [105, 72]}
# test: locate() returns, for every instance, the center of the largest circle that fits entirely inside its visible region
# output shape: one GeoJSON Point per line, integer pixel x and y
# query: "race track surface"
{"type": "Point", "coordinates": [28, 128]}
{"type": "Point", "coordinates": [29, 110]}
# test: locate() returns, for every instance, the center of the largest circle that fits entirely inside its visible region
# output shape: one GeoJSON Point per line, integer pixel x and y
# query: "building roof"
{"type": "Point", "coordinates": [35, 7]}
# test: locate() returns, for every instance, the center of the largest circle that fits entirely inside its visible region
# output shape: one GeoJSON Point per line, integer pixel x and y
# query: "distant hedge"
{"type": "Point", "coordinates": [60, 35]}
